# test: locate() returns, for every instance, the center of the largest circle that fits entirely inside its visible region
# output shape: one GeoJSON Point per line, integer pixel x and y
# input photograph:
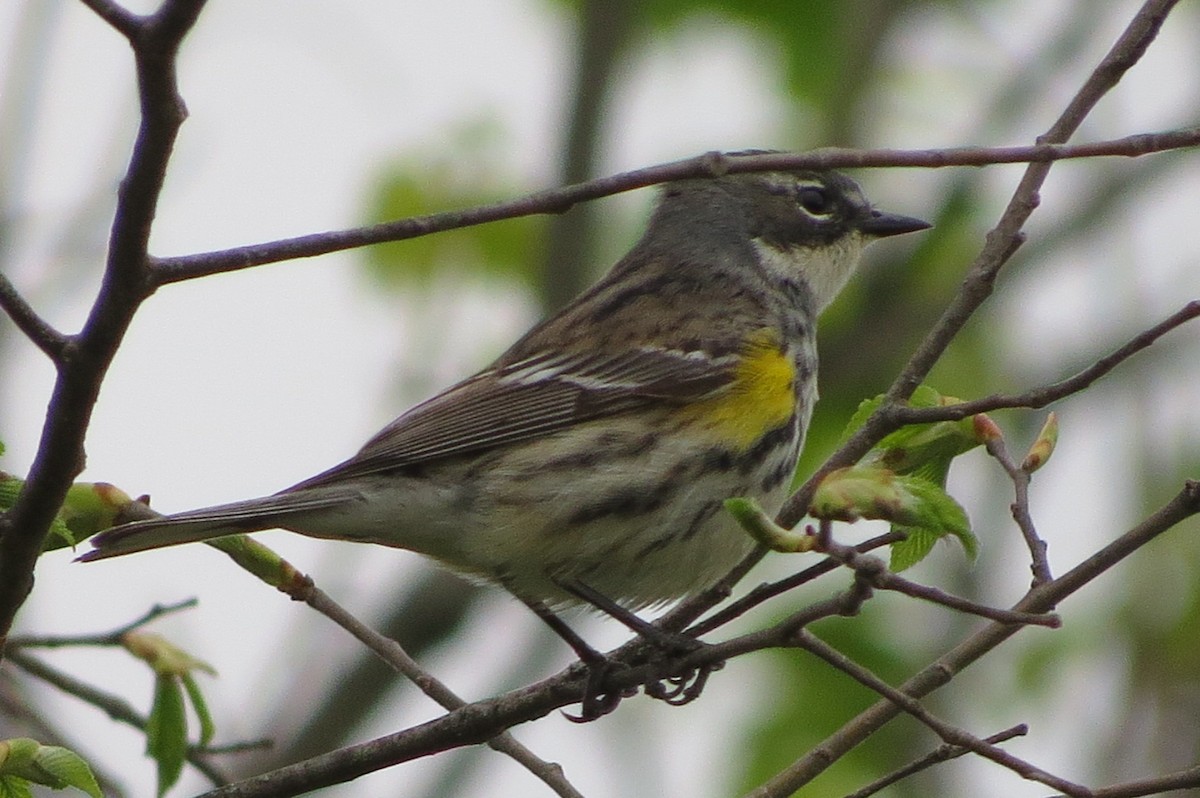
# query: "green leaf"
{"type": "Point", "coordinates": [165, 657]}
{"type": "Point", "coordinates": [913, 549]}
{"type": "Point", "coordinates": [15, 787]}
{"type": "Point", "coordinates": [912, 504]}
{"type": "Point", "coordinates": [200, 707]}
{"type": "Point", "coordinates": [69, 768]}
{"type": "Point", "coordinates": [166, 731]}
{"type": "Point", "coordinates": [24, 761]}
{"type": "Point", "coordinates": [938, 515]}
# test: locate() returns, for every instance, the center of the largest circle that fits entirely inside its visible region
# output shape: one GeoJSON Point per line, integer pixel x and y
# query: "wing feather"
{"type": "Point", "coordinates": [531, 398]}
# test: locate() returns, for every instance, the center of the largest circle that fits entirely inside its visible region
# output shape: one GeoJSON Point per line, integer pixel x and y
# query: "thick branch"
{"type": "Point", "coordinates": [84, 361]}
{"type": "Point", "coordinates": [122, 20]}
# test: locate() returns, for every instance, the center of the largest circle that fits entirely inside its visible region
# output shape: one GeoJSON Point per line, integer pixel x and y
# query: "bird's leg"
{"type": "Point", "coordinates": [594, 704]}
{"type": "Point", "coordinates": [684, 687]}
{"type": "Point", "coordinates": [659, 638]}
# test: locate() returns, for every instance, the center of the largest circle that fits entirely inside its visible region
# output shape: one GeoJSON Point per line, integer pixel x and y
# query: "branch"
{"type": "Point", "coordinates": [267, 566]}
{"type": "Point", "coordinates": [394, 655]}
{"type": "Point", "coordinates": [951, 735]}
{"type": "Point", "coordinates": [943, 753]}
{"type": "Point", "coordinates": [115, 707]}
{"type": "Point", "coordinates": [85, 359]}
{"type": "Point", "coordinates": [874, 570]}
{"type": "Point", "coordinates": [122, 20]}
{"type": "Point", "coordinates": [1035, 398]}
{"type": "Point", "coordinates": [764, 592]}
{"type": "Point", "coordinates": [1180, 780]}
{"type": "Point", "coordinates": [112, 638]}
{"type": "Point", "coordinates": [713, 164]}
{"type": "Point", "coordinates": [1039, 565]}
{"type": "Point", "coordinates": [36, 329]}
{"type": "Point", "coordinates": [1000, 244]}
{"type": "Point", "coordinates": [1040, 599]}
{"type": "Point", "coordinates": [480, 721]}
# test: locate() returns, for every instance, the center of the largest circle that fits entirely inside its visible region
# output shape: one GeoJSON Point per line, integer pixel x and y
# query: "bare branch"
{"type": "Point", "coordinates": [950, 734]}
{"type": "Point", "coordinates": [394, 655]}
{"type": "Point", "coordinates": [874, 571]}
{"type": "Point", "coordinates": [188, 267]}
{"type": "Point", "coordinates": [112, 638]}
{"type": "Point", "coordinates": [122, 20]}
{"type": "Point", "coordinates": [767, 591]}
{"type": "Point", "coordinates": [1040, 397]}
{"type": "Point", "coordinates": [1180, 780]}
{"type": "Point", "coordinates": [60, 454]}
{"type": "Point", "coordinates": [36, 329]}
{"type": "Point", "coordinates": [943, 753]}
{"type": "Point", "coordinates": [1039, 565]}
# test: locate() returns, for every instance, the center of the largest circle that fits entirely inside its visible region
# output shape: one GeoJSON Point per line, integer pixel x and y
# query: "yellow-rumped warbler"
{"type": "Point", "coordinates": [593, 457]}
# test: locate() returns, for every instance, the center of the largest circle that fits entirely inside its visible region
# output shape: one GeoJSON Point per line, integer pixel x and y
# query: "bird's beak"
{"type": "Point", "coordinates": [881, 225]}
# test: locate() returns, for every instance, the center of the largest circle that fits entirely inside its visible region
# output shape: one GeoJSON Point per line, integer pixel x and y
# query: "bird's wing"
{"type": "Point", "coordinates": [531, 398]}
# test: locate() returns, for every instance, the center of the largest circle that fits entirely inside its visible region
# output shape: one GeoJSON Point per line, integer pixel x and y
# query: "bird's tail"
{"type": "Point", "coordinates": [252, 515]}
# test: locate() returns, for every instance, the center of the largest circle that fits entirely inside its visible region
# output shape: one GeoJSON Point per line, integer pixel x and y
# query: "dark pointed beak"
{"type": "Point", "coordinates": [881, 225]}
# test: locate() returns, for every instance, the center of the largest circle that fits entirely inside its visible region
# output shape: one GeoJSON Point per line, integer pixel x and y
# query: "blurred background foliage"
{"type": "Point", "coordinates": [857, 74]}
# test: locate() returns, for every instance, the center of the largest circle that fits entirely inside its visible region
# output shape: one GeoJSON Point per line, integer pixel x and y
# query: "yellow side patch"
{"type": "Point", "coordinates": [761, 398]}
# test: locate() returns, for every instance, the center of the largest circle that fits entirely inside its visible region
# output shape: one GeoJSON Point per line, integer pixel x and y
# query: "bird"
{"type": "Point", "coordinates": [589, 463]}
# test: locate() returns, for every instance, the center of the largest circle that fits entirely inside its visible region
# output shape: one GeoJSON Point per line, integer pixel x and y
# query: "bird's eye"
{"type": "Point", "coordinates": [815, 200]}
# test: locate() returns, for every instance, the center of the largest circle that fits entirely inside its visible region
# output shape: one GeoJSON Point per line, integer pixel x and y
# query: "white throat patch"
{"type": "Point", "coordinates": [826, 268]}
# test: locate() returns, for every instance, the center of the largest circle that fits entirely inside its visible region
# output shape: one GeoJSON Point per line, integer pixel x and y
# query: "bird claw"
{"type": "Point", "coordinates": [677, 689]}
{"type": "Point", "coordinates": [683, 688]}
{"type": "Point", "coordinates": [595, 703]}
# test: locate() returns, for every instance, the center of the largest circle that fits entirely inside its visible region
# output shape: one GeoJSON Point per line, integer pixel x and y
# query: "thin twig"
{"type": "Point", "coordinates": [36, 329]}
{"type": "Point", "coordinates": [112, 638]}
{"type": "Point", "coordinates": [767, 591]}
{"type": "Point", "coordinates": [1038, 564]}
{"type": "Point", "coordinates": [114, 706]}
{"type": "Point", "coordinates": [188, 267]}
{"type": "Point", "coordinates": [394, 655]}
{"type": "Point", "coordinates": [1180, 780]}
{"type": "Point", "coordinates": [950, 734]}
{"type": "Point", "coordinates": [1039, 397]}
{"type": "Point", "coordinates": [873, 570]}
{"type": "Point", "coordinates": [943, 753]}
{"type": "Point", "coordinates": [1040, 599]}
